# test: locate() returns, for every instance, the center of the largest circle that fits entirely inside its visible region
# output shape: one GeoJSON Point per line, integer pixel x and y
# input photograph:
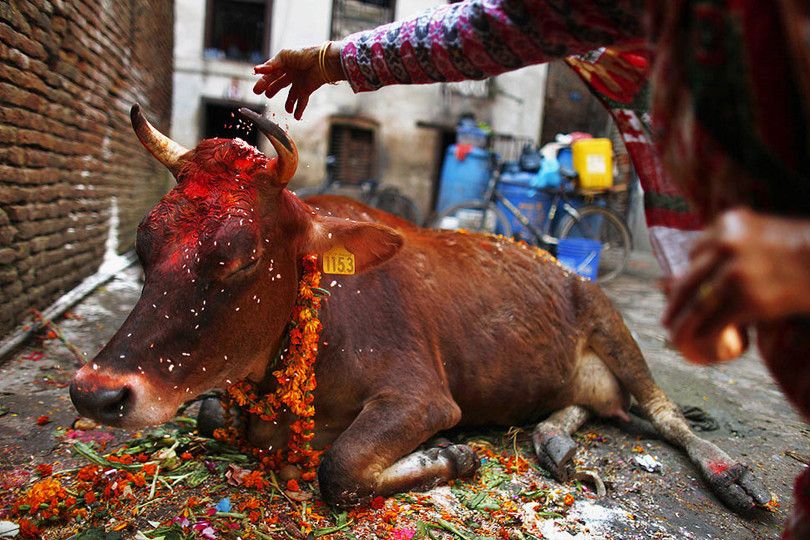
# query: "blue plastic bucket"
{"type": "Point", "coordinates": [533, 204]}
{"type": "Point", "coordinates": [463, 179]}
{"type": "Point", "coordinates": [580, 255]}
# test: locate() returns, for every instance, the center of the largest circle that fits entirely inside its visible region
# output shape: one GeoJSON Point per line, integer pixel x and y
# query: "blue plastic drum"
{"type": "Point", "coordinates": [532, 204]}
{"type": "Point", "coordinates": [465, 175]}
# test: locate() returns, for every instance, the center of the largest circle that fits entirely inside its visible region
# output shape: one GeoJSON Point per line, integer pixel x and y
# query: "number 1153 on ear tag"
{"type": "Point", "coordinates": [338, 260]}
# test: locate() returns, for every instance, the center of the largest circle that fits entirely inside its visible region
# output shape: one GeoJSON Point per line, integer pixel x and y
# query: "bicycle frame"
{"type": "Point", "coordinates": [544, 236]}
{"type": "Point", "coordinates": [490, 213]}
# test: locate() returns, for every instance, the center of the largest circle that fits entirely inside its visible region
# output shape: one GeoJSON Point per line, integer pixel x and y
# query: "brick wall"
{"type": "Point", "coordinates": [69, 72]}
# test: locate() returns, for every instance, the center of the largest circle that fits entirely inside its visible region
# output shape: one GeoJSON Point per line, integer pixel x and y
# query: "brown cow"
{"type": "Point", "coordinates": [437, 329]}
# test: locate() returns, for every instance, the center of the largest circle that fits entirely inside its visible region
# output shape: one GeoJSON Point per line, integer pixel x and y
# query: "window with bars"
{"type": "Point", "coordinates": [350, 16]}
{"type": "Point", "coordinates": [354, 148]}
{"type": "Point", "coordinates": [237, 30]}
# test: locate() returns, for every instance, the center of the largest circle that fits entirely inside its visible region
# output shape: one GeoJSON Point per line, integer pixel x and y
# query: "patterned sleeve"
{"type": "Point", "coordinates": [477, 39]}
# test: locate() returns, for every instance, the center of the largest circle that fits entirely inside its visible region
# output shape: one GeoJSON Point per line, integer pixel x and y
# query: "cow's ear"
{"type": "Point", "coordinates": [370, 244]}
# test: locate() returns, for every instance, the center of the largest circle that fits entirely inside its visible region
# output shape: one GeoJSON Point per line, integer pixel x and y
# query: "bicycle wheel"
{"type": "Point", "coordinates": [473, 216]}
{"type": "Point", "coordinates": [602, 225]}
{"type": "Point", "coordinates": [390, 200]}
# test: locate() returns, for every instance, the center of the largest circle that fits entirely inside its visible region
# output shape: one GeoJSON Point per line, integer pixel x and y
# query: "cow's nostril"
{"type": "Point", "coordinates": [107, 405]}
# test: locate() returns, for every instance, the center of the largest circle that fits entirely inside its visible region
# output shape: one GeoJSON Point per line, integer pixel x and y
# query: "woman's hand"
{"type": "Point", "coordinates": [300, 70]}
{"type": "Point", "coordinates": [746, 268]}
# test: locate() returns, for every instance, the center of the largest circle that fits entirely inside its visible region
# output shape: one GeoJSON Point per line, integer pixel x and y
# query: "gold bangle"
{"type": "Point", "coordinates": [322, 63]}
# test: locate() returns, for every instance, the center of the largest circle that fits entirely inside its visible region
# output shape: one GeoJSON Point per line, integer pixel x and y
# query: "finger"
{"type": "Point", "coordinates": [684, 289]}
{"type": "Point", "coordinates": [708, 336]}
{"type": "Point", "coordinates": [711, 240]}
{"type": "Point", "coordinates": [289, 105]}
{"type": "Point", "coordinates": [302, 104]}
{"type": "Point", "coordinates": [271, 84]}
{"type": "Point", "coordinates": [709, 329]}
{"type": "Point", "coordinates": [277, 85]}
{"type": "Point", "coordinates": [269, 66]}
{"type": "Point", "coordinates": [726, 308]}
{"type": "Point", "coordinates": [262, 84]}
{"type": "Point", "coordinates": [707, 315]}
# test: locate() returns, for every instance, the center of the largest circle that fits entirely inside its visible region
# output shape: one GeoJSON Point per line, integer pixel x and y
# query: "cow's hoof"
{"type": "Point", "coordinates": [210, 417]}
{"type": "Point", "coordinates": [555, 451]}
{"type": "Point", "coordinates": [739, 489]}
{"type": "Point", "coordinates": [463, 458]}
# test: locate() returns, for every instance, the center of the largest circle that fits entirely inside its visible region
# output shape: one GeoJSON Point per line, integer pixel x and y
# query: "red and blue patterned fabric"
{"type": "Point", "coordinates": [481, 38]}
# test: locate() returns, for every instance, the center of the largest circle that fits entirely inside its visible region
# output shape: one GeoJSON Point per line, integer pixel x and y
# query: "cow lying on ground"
{"type": "Point", "coordinates": [437, 329]}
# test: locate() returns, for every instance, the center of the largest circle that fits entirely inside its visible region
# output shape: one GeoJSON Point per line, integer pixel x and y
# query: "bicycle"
{"type": "Point", "coordinates": [589, 221]}
{"type": "Point", "coordinates": [371, 192]}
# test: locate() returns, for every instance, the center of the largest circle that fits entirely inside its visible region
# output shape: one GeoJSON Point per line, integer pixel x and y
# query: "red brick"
{"type": "Point", "coordinates": [8, 274]}
{"type": "Point", "coordinates": [59, 67]}
{"type": "Point", "coordinates": [12, 289]}
{"type": "Point", "coordinates": [7, 255]}
{"type": "Point", "coordinates": [8, 135]}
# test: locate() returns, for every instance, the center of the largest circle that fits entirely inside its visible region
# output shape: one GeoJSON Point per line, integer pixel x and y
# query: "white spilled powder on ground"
{"type": "Point", "coordinates": [585, 520]}
{"type": "Point", "coordinates": [590, 520]}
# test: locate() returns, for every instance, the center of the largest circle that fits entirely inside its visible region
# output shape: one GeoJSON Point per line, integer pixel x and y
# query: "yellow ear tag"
{"type": "Point", "coordinates": [338, 260]}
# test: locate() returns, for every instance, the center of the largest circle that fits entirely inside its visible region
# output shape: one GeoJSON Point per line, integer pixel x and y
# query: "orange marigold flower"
{"type": "Point", "coordinates": [377, 502]}
{"type": "Point", "coordinates": [124, 459]}
{"type": "Point", "coordinates": [568, 499]}
{"type": "Point", "coordinates": [254, 479]}
{"type": "Point", "coordinates": [139, 480]}
{"type": "Point", "coordinates": [90, 497]}
{"type": "Point", "coordinates": [89, 473]}
{"type": "Point", "coordinates": [44, 469]}
{"type": "Point", "coordinates": [186, 455]}
{"type": "Point", "coordinates": [79, 512]}
{"type": "Point", "coordinates": [42, 420]}
{"type": "Point", "coordinates": [149, 468]}
{"type": "Point", "coordinates": [28, 529]}
{"type": "Point", "coordinates": [292, 485]}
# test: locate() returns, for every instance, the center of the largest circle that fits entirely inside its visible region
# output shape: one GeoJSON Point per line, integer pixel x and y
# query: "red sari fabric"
{"type": "Point", "coordinates": [729, 115]}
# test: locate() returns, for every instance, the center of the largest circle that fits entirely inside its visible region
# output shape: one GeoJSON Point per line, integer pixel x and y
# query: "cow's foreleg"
{"type": "Point", "coordinates": [553, 444]}
{"type": "Point", "coordinates": [369, 458]}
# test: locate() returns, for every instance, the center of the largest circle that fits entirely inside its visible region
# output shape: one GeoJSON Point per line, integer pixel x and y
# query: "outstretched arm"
{"type": "Point", "coordinates": [477, 39]}
{"type": "Point", "coordinates": [474, 39]}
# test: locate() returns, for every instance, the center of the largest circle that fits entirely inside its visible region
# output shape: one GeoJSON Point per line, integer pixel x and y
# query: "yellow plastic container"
{"type": "Point", "coordinates": [593, 161]}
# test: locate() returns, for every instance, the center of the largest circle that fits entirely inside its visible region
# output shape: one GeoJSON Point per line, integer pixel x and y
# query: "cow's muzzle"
{"type": "Point", "coordinates": [96, 398]}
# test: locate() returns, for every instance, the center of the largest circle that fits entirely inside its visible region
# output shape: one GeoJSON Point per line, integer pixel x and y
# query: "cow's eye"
{"type": "Point", "coordinates": [245, 268]}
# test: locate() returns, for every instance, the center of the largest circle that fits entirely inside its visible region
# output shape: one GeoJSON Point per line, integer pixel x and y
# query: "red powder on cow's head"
{"type": "Point", "coordinates": [216, 186]}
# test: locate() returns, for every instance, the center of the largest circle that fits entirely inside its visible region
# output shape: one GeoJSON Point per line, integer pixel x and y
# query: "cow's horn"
{"type": "Point", "coordinates": [163, 148]}
{"type": "Point", "coordinates": [285, 148]}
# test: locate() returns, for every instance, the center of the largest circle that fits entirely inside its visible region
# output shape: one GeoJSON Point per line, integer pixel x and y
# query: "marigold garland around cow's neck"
{"type": "Point", "coordinates": [296, 381]}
